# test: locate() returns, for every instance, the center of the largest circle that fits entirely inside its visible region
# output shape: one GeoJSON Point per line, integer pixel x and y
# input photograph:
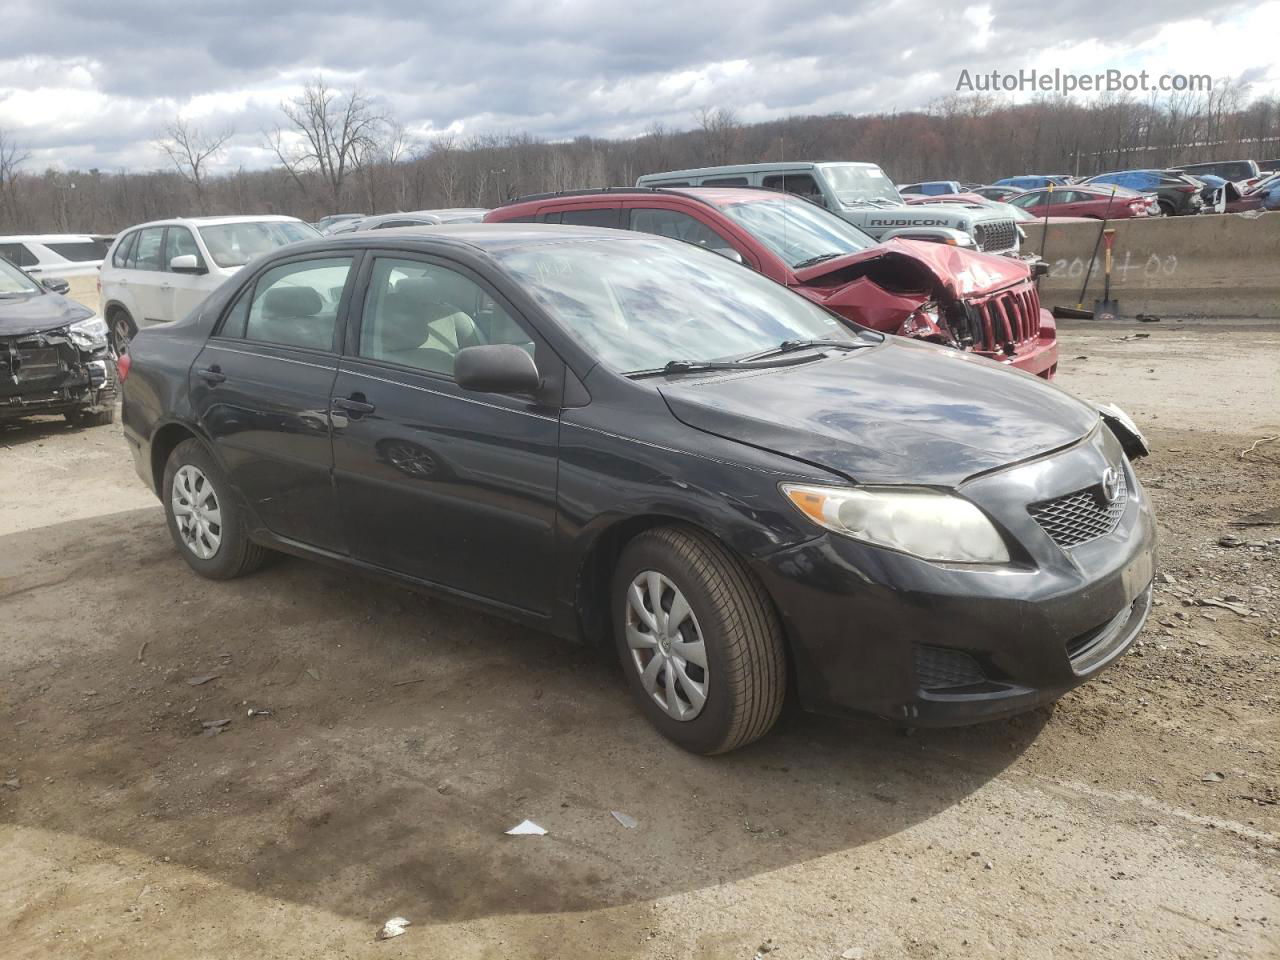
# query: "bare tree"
{"type": "Point", "coordinates": [191, 151]}
{"type": "Point", "coordinates": [720, 129]}
{"type": "Point", "coordinates": [329, 134]}
{"type": "Point", "coordinates": [12, 156]}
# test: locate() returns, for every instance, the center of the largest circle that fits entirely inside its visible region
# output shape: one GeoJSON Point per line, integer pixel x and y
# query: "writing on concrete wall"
{"type": "Point", "coordinates": [1148, 270]}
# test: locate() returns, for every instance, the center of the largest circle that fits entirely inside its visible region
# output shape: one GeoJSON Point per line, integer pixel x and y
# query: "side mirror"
{"type": "Point", "coordinates": [56, 284]}
{"type": "Point", "coordinates": [496, 368]}
{"type": "Point", "coordinates": [186, 263]}
{"type": "Point", "coordinates": [729, 254]}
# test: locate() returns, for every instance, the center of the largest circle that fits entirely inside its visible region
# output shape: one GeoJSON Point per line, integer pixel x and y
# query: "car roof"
{"type": "Point", "coordinates": [730, 169]}
{"type": "Point", "coordinates": [48, 238]}
{"type": "Point", "coordinates": [484, 237]}
{"type": "Point", "coordinates": [211, 221]}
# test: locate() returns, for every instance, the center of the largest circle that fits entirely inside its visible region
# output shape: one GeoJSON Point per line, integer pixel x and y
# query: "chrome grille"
{"type": "Point", "coordinates": [997, 236]}
{"type": "Point", "coordinates": [1010, 317]}
{"type": "Point", "coordinates": [1081, 516]}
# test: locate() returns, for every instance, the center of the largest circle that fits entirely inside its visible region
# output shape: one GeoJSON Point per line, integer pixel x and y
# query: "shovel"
{"type": "Point", "coordinates": [1106, 308]}
{"type": "Point", "coordinates": [1078, 312]}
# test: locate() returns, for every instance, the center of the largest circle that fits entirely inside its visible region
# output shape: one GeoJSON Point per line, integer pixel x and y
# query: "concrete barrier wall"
{"type": "Point", "coordinates": [1204, 266]}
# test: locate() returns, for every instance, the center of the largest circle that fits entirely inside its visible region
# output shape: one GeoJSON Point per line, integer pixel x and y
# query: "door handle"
{"type": "Point", "coordinates": [212, 375]}
{"type": "Point", "coordinates": [356, 405]}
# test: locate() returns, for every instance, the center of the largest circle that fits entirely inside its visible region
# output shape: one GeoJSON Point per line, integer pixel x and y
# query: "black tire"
{"type": "Point", "coordinates": [1166, 208]}
{"type": "Point", "coordinates": [120, 330]}
{"type": "Point", "coordinates": [83, 418]}
{"type": "Point", "coordinates": [236, 554]}
{"type": "Point", "coordinates": [746, 663]}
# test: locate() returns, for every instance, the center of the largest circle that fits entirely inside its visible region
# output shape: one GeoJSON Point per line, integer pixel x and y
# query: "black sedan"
{"type": "Point", "coordinates": [615, 435]}
{"type": "Point", "coordinates": [54, 356]}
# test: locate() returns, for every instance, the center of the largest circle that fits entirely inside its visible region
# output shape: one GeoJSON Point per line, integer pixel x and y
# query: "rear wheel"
{"type": "Point", "coordinates": [1166, 208]}
{"type": "Point", "coordinates": [206, 523]}
{"type": "Point", "coordinates": [699, 640]}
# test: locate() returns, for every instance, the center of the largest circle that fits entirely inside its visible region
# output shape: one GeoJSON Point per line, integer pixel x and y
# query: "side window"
{"type": "Point", "coordinates": [399, 223]}
{"type": "Point", "coordinates": [146, 252]}
{"type": "Point", "coordinates": [801, 184]}
{"type": "Point", "coordinates": [296, 304]}
{"type": "Point", "coordinates": [677, 226]}
{"type": "Point", "coordinates": [549, 217]}
{"type": "Point", "coordinates": [124, 250]}
{"type": "Point", "coordinates": [1029, 199]}
{"type": "Point", "coordinates": [420, 315]}
{"type": "Point", "coordinates": [607, 217]}
{"type": "Point", "coordinates": [725, 182]}
{"type": "Point", "coordinates": [237, 317]}
{"type": "Point", "coordinates": [18, 254]}
{"type": "Point", "coordinates": [179, 242]}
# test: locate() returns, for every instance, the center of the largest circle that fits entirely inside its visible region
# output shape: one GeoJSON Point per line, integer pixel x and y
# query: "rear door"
{"type": "Point", "coordinates": [261, 387]}
{"type": "Point", "coordinates": [448, 486]}
{"type": "Point", "coordinates": [144, 278]}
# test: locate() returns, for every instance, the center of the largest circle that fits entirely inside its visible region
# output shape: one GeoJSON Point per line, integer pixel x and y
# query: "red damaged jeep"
{"type": "Point", "coordinates": [915, 288]}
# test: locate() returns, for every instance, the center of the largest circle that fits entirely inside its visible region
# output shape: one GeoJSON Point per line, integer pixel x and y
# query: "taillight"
{"type": "Point", "coordinates": [122, 367]}
{"type": "Point", "coordinates": [1188, 188]}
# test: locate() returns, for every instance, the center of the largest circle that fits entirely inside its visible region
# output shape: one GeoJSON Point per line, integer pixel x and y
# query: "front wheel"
{"type": "Point", "coordinates": [699, 640]}
{"type": "Point", "coordinates": [206, 523]}
{"type": "Point", "coordinates": [121, 330]}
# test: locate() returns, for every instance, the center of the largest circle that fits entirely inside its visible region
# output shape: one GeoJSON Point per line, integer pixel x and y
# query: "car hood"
{"type": "Point", "coordinates": [961, 273]}
{"type": "Point", "coordinates": [38, 312]}
{"type": "Point", "coordinates": [900, 412]}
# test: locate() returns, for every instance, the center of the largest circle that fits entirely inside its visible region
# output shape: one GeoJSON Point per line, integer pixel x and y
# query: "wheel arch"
{"type": "Point", "coordinates": [595, 565]}
{"type": "Point", "coordinates": [163, 442]}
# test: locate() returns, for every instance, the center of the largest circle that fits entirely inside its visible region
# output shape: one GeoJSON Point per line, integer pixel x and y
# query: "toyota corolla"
{"type": "Point", "coordinates": [621, 437]}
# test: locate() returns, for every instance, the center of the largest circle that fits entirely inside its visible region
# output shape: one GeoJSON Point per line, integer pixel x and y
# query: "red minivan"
{"type": "Point", "coordinates": [930, 291]}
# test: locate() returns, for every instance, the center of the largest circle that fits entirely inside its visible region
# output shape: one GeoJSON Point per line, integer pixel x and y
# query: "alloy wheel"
{"type": "Point", "coordinates": [666, 644]}
{"type": "Point", "coordinates": [196, 511]}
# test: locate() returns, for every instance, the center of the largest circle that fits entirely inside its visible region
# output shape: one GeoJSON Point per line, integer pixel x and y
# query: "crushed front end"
{"type": "Point", "coordinates": [971, 301]}
{"type": "Point", "coordinates": [56, 371]}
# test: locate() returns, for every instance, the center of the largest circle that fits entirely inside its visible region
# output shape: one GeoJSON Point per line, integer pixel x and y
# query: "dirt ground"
{"type": "Point", "coordinates": [1139, 817]}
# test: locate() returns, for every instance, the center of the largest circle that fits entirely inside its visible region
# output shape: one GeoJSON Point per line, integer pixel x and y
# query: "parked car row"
{"type": "Point", "coordinates": [1190, 189]}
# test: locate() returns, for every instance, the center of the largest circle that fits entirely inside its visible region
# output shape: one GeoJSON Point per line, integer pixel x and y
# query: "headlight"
{"type": "Point", "coordinates": [923, 523]}
{"type": "Point", "coordinates": [89, 333]}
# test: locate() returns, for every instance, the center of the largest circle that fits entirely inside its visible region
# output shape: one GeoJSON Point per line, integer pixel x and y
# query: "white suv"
{"type": "Point", "coordinates": [157, 272]}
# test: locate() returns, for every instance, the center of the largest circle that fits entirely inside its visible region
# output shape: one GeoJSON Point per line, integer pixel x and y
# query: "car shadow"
{"type": "Point", "coordinates": [18, 433]}
{"type": "Point", "coordinates": [405, 735]}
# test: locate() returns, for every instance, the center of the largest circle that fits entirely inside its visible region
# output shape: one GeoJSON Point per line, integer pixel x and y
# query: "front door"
{"type": "Point", "coordinates": [186, 291]}
{"type": "Point", "coordinates": [448, 486]}
{"type": "Point", "coordinates": [261, 390]}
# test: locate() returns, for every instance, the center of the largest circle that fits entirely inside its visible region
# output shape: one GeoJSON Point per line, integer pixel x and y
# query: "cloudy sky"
{"type": "Point", "coordinates": [88, 83]}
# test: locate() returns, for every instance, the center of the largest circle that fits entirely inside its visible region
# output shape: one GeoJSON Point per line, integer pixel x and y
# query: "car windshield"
{"type": "Point", "coordinates": [638, 304]}
{"type": "Point", "coordinates": [796, 230]}
{"type": "Point", "coordinates": [13, 282]}
{"type": "Point", "coordinates": [235, 244]}
{"type": "Point", "coordinates": [852, 182]}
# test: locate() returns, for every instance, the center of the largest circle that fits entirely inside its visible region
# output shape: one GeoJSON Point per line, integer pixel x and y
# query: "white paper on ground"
{"type": "Point", "coordinates": [526, 828]}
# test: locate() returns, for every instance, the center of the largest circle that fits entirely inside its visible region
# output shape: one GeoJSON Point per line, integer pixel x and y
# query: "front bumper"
{"type": "Point", "coordinates": [927, 644]}
{"type": "Point", "coordinates": [48, 374]}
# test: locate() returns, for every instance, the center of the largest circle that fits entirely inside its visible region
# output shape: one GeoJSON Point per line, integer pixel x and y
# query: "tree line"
{"type": "Point", "coordinates": [338, 152]}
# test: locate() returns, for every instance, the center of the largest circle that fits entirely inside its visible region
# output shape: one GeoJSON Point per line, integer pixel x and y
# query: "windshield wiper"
{"type": "Point", "coordinates": [814, 261]}
{"type": "Point", "coordinates": [698, 366]}
{"type": "Point", "coordinates": [790, 346]}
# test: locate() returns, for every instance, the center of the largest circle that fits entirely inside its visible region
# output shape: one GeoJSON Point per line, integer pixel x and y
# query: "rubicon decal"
{"type": "Point", "coordinates": [906, 222]}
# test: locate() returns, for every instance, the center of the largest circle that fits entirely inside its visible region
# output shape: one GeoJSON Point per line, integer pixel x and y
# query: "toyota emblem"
{"type": "Point", "coordinates": [1110, 484]}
